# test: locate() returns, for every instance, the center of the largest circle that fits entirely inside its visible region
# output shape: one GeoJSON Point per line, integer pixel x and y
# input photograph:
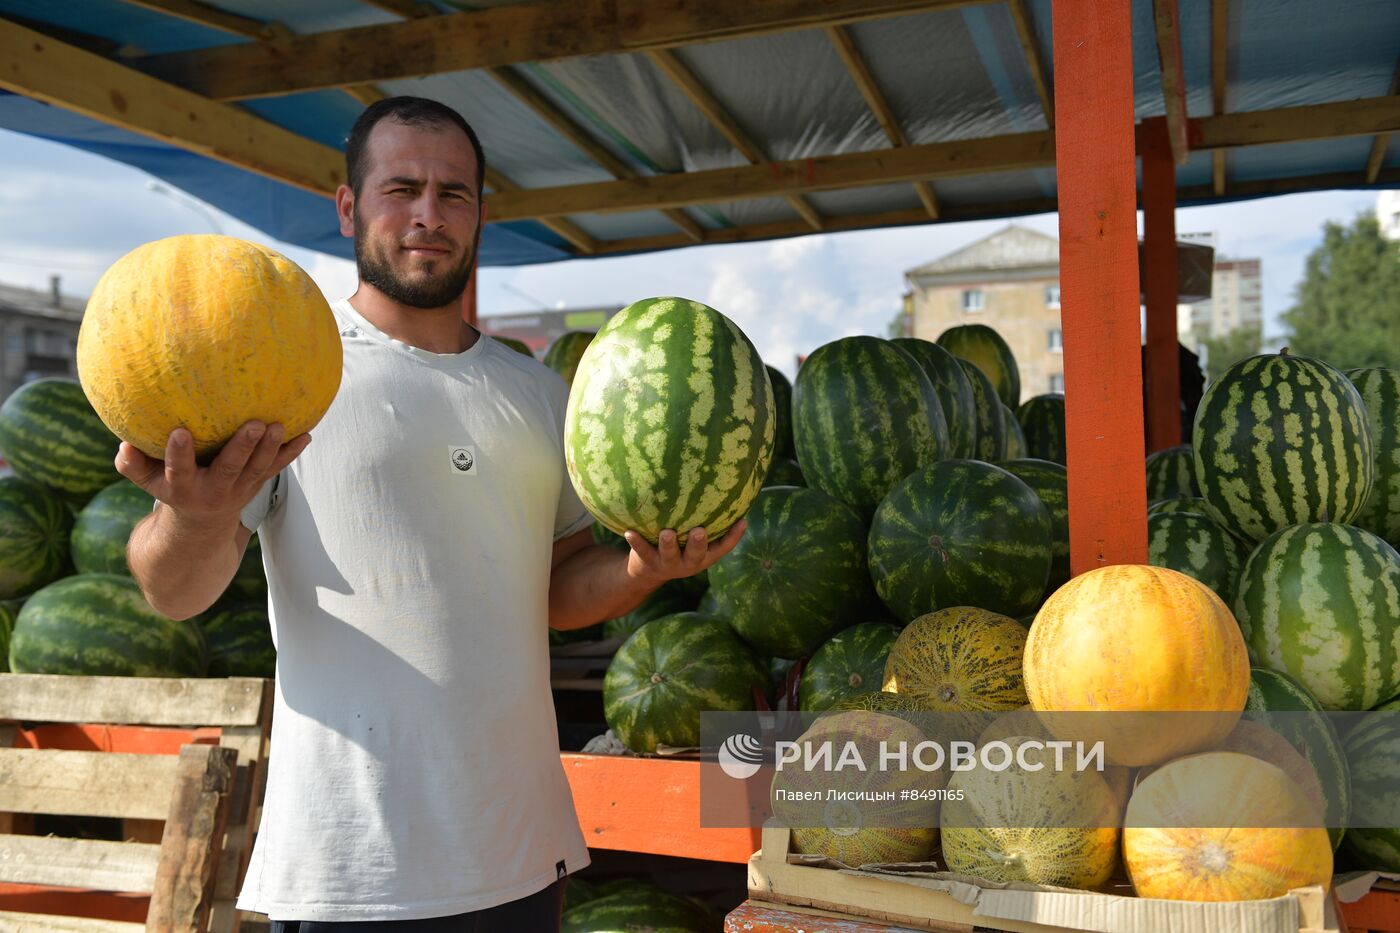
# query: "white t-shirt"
{"type": "Point", "coordinates": [415, 764]}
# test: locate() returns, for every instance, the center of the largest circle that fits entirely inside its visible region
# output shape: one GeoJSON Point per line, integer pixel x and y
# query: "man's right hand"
{"type": "Point", "coordinates": [219, 491]}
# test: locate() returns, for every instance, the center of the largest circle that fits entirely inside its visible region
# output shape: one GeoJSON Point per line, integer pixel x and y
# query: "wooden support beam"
{"type": "Point", "coordinates": [570, 231]}
{"type": "Point", "coordinates": [202, 14]}
{"type": "Point", "coordinates": [1219, 55]}
{"type": "Point", "coordinates": [526, 93]}
{"type": "Point", "coordinates": [1377, 157]}
{"type": "Point", "coordinates": [1168, 22]}
{"type": "Point", "coordinates": [1163, 375]}
{"type": "Point", "coordinates": [1364, 117]}
{"type": "Point", "coordinates": [699, 95]}
{"type": "Point", "coordinates": [498, 36]}
{"type": "Point", "coordinates": [1025, 33]}
{"type": "Point", "coordinates": [366, 93]}
{"type": "Point", "coordinates": [408, 9]}
{"type": "Point", "coordinates": [859, 71]}
{"type": "Point", "coordinates": [1099, 286]}
{"type": "Point", "coordinates": [43, 68]}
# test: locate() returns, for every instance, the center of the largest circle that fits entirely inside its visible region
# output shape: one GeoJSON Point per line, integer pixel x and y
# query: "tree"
{"type": "Point", "coordinates": [1224, 352]}
{"type": "Point", "coordinates": [1348, 304]}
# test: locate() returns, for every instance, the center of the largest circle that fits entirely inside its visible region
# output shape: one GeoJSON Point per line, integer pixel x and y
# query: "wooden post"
{"type": "Point", "coordinates": [1099, 289]}
{"type": "Point", "coordinates": [1159, 253]}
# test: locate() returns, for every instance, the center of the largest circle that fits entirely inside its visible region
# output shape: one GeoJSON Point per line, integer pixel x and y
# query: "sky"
{"type": "Point", "coordinates": [69, 213]}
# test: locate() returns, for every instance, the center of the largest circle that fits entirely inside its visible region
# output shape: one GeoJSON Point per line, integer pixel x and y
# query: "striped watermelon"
{"type": "Point", "coordinates": [1380, 393]}
{"type": "Point", "coordinates": [1373, 751]}
{"type": "Point", "coordinates": [35, 525]}
{"type": "Point", "coordinates": [1015, 438]}
{"type": "Point", "coordinates": [669, 672]}
{"type": "Point", "coordinates": [104, 526]}
{"type": "Point", "coordinates": [784, 472]}
{"type": "Point", "coordinates": [517, 345]}
{"type": "Point", "coordinates": [9, 611]}
{"type": "Point", "coordinates": [50, 434]}
{"type": "Point", "coordinates": [240, 642]}
{"type": "Point", "coordinates": [709, 605]}
{"type": "Point", "coordinates": [1042, 419]}
{"type": "Point", "coordinates": [578, 892]}
{"type": "Point", "coordinates": [960, 660]}
{"type": "Point", "coordinates": [1050, 482]}
{"type": "Point", "coordinates": [639, 909]}
{"type": "Point", "coordinates": [1282, 440]}
{"type": "Point", "coordinates": [670, 421]}
{"type": "Point", "coordinates": [1171, 474]}
{"type": "Point", "coordinates": [985, 348]}
{"type": "Point", "coordinates": [953, 389]}
{"type": "Point", "coordinates": [782, 414]}
{"type": "Point", "coordinates": [851, 662]}
{"type": "Point", "coordinates": [602, 534]}
{"type": "Point", "coordinates": [991, 426]}
{"type": "Point", "coordinates": [668, 600]}
{"type": "Point", "coordinates": [101, 624]}
{"type": "Point", "coordinates": [1314, 736]}
{"type": "Point", "coordinates": [961, 533]}
{"type": "Point", "coordinates": [1199, 547]}
{"type": "Point", "coordinates": [864, 417]}
{"type": "Point", "coordinates": [797, 576]}
{"type": "Point", "coordinates": [565, 353]}
{"type": "Point", "coordinates": [1182, 504]}
{"type": "Point", "coordinates": [1322, 602]}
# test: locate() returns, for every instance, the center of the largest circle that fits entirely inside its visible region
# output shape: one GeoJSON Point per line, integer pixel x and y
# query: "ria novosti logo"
{"type": "Point", "coordinates": [741, 756]}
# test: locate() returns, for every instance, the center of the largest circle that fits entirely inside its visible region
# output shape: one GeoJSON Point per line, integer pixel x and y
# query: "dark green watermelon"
{"type": "Point", "coordinates": [1050, 482]}
{"type": "Point", "coordinates": [1016, 448]}
{"type": "Point", "coordinates": [991, 427]}
{"type": "Point", "coordinates": [1199, 547]}
{"type": "Point", "coordinates": [9, 611]}
{"type": "Point", "coordinates": [565, 351]}
{"type": "Point", "coordinates": [851, 662]}
{"type": "Point", "coordinates": [602, 534]}
{"type": "Point", "coordinates": [104, 527]}
{"type": "Point", "coordinates": [101, 624]}
{"type": "Point", "coordinates": [670, 598]}
{"type": "Point", "coordinates": [953, 389]}
{"type": "Point", "coordinates": [1182, 504]}
{"type": "Point", "coordinates": [240, 642]}
{"type": "Point", "coordinates": [961, 533]}
{"type": "Point", "coordinates": [709, 605]}
{"type": "Point", "coordinates": [35, 525]}
{"type": "Point", "coordinates": [1373, 754]}
{"type": "Point", "coordinates": [1043, 420]}
{"type": "Point", "coordinates": [864, 417]}
{"type": "Point", "coordinates": [638, 911]}
{"type": "Point", "coordinates": [782, 415]}
{"type": "Point", "coordinates": [1171, 474]}
{"type": "Point", "coordinates": [784, 472]}
{"type": "Point", "coordinates": [249, 584]}
{"type": "Point", "coordinates": [518, 346]}
{"type": "Point", "coordinates": [799, 574]}
{"type": "Point", "coordinates": [1380, 393]}
{"type": "Point", "coordinates": [984, 348]}
{"type": "Point", "coordinates": [669, 672]}
{"type": "Point", "coordinates": [50, 434]}
{"type": "Point", "coordinates": [578, 892]}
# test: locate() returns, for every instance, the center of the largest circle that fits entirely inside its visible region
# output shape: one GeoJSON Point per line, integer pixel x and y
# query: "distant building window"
{"type": "Point", "coordinates": [1057, 383]}
{"type": "Point", "coordinates": [1055, 341]}
{"type": "Point", "coordinates": [972, 300]}
{"type": "Point", "coordinates": [1052, 295]}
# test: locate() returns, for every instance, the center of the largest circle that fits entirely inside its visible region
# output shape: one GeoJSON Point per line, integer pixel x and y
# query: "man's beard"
{"type": "Point", "coordinates": [436, 291]}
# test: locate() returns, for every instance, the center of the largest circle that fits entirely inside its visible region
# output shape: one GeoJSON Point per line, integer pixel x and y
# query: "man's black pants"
{"type": "Point", "coordinates": [537, 913]}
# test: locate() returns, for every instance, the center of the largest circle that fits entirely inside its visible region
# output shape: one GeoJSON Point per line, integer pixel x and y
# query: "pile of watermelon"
{"type": "Point", "coordinates": [69, 603]}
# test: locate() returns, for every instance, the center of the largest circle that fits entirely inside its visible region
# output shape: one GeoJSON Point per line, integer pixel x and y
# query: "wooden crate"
{"type": "Point", "coordinates": [1377, 912]}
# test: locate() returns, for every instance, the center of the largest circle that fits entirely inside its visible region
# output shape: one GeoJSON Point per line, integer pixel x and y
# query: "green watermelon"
{"type": "Point", "coordinates": [1042, 419]}
{"type": "Point", "coordinates": [670, 421]}
{"type": "Point", "coordinates": [240, 642]}
{"type": "Point", "coordinates": [1373, 753]}
{"type": "Point", "coordinates": [517, 345]}
{"type": "Point", "coordinates": [1313, 736]}
{"type": "Point", "coordinates": [669, 672]}
{"type": "Point", "coordinates": [249, 583]}
{"type": "Point", "coordinates": [575, 635]}
{"type": "Point", "coordinates": [35, 525]}
{"type": "Point", "coordinates": [961, 533]}
{"type": "Point", "coordinates": [1050, 482]}
{"type": "Point", "coordinates": [104, 526]}
{"type": "Point", "coordinates": [851, 662]}
{"type": "Point", "coordinates": [9, 611]}
{"type": "Point", "coordinates": [709, 605]}
{"type": "Point", "coordinates": [864, 417]}
{"type": "Point", "coordinates": [1016, 447]}
{"type": "Point", "coordinates": [602, 534]}
{"type": "Point", "coordinates": [1380, 393]}
{"type": "Point", "coordinates": [1282, 440]}
{"type": "Point", "coordinates": [50, 434]}
{"type": "Point", "coordinates": [991, 426]}
{"type": "Point", "coordinates": [799, 574]}
{"type": "Point", "coordinates": [101, 624]}
{"type": "Point", "coordinates": [782, 414]}
{"type": "Point", "coordinates": [578, 892]}
{"type": "Point", "coordinates": [564, 354]}
{"type": "Point", "coordinates": [1171, 474]}
{"type": "Point", "coordinates": [1183, 504]}
{"type": "Point", "coordinates": [669, 599]}
{"type": "Point", "coordinates": [642, 911]}
{"type": "Point", "coordinates": [784, 472]}
{"type": "Point", "coordinates": [953, 389]}
{"type": "Point", "coordinates": [985, 349]}
{"type": "Point", "coordinates": [1321, 602]}
{"type": "Point", "coordinates": [1199, 547]}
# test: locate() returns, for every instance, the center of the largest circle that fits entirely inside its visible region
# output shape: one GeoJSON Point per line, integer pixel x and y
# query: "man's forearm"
{"type": "Point", "coordinates": [591, 586]}
{"type": "Point", "coordinates": [181, 569]}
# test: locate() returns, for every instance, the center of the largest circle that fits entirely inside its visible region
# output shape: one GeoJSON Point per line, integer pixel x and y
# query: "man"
{"type": "Point", "coordinates": [414, 555]}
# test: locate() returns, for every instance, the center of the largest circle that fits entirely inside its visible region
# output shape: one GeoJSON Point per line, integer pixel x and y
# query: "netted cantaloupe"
{"type": "Point", "coordinates": [206, 332]}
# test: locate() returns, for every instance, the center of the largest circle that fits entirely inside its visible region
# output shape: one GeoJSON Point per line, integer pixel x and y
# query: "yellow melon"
{"type": "Point", "coordinates": [1223, 826]}
{"type": "Point", "coordinates": [1141, 639]}
{"type": "Point", "coordinates": [206, 332]}
{"type": "Point", "coordinates": [959, 660]}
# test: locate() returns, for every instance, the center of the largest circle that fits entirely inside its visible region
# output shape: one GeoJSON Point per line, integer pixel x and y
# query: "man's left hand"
{"type": "Point", "coordinates": [667, 560]}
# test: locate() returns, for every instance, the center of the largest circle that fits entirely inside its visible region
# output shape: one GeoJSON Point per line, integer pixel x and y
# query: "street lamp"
{"type": "Point", "coordinates": [180, 197]}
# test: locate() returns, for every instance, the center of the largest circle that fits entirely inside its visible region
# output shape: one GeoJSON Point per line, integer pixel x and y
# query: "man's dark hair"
{"type": "Point", "coordinates": [410, 111]}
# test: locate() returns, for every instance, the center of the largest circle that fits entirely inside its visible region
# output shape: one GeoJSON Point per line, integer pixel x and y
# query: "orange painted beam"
{"type": "Point", "coordinates": [136, 740]}
{"type": "Point", "coordinates": [1099, 288]}
{"type": "Point", "coordinates": [1160, 289]}
{"type": "Point", "coordinates": [71, 902]}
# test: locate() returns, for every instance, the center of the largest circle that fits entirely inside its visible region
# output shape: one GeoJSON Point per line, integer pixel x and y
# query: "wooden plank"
{"type": "Point", "coordinates": [408, 9]}
{"type": "Point", "coordinates": [1167, 19]}
{"type": "Point", "coordinates": [1376, 158]}
{"type": "Point", "coordinates": [699, 95]}
{"type": "Point", "coordinates": [758, 917]}
{"type": "Point", "coordinates": [86, 783]}
{"type": "Point", "coordinates": [46, 923]}
{"type": "Point", "coordinates": [1160, 287]}
{"type": "Point", "coordinates": [203, 14]}
{"type": "Point", "coordinates": [1364, 117]}
{"type": "Point", "coordinates": [194, 829]}
{"type": "Point", "coordinates": [37, 66]}
{"type": "Point", "coordinates": [127, 906]}
{"type": "Point", "coordinates": [798, 176]}
{"type": "Point", "coordinates": [571, 232]}
{"type": "Point", "coordinates": [152, 701]}
{"type": "Point", "coordinates": [498, 36]}
{"type": "Point", "coordinates": [366, 93]}
{"type": "Point", "coordinates": [78, 863]}
{"type": "Point", "coordinates": [1219, 60]}
{"type": "Point", "coordinates": [1025, 34]}
{"type": "Point", "coordinates": [1099, 285]}
{"type": "Point", "coordinates": [92, 737]}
